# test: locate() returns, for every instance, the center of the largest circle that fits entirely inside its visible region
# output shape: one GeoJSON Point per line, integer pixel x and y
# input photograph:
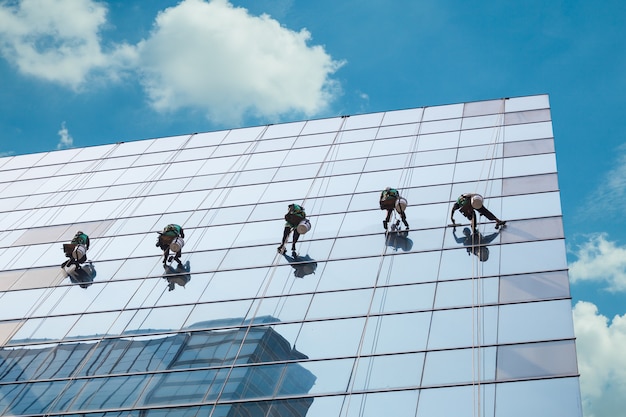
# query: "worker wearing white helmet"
{"type": "Point", "coordinates": [467, 204]}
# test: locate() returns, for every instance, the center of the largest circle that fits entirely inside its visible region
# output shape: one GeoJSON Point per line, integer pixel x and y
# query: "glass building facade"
{"type": "Point", "coordinates": [433, 321]}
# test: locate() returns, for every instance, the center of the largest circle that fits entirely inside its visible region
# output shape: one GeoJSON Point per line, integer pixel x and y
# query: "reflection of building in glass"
{"type": "Point", "coordinates": [405, 325]}
{"type": "Point", "coordinates": [173, 370]}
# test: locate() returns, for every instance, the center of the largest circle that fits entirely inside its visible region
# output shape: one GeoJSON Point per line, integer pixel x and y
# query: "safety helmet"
{"type": "Point", "coordinates": [477, 201]}
{"type": "Point", "coordinates": [388, 188]}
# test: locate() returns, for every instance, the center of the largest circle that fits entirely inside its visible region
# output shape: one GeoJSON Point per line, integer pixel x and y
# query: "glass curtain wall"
{"type": "Point", "coordinates": [431, 321]}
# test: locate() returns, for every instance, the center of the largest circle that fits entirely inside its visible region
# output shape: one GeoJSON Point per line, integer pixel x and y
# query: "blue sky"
{"type": "Point", "coordinates": [76, 73]}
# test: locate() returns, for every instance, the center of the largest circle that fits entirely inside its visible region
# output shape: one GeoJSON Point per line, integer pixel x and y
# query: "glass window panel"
{"type": "Point", "coordinates": [361, 121]}
{"type": "Point", "coordinates": [349, 273]}
{"type": "Point", "coordinates": [181, 170]}
{"type": "Point", "coordinates": [479, 108]}
{"type": "Point", "coordinates": [537, 360]}
{"type": "Point", "coordinates": [7, 330]}
{"type": "Point", "coordinates": [40, 172]}
{"type": "Point", "coordinates": [130, 148]}
{"type": "Point", "coordinates": [486, 136]}
{"type": "Point", "coordinates": [319, 139]}
{"type": "Point", "coordinates": [74, 167]}
{"type": "Point", "coordinates": [531, 205]}
{"type": "Point", "coordinates": [283, 130]}
{"type": "Point", "coordinates": [206, 139]}
{"type": "Point", "coordinates": [134, 175]}
{"type": "Point", "coordinates": [396, 333]}
{"type": "Point", "coordinates": [460, 366]}
{"type": "Point", "coordinates": [402, 116]}
{"type": "Point", "coordinates": [536, 229]}
{"type": "Point", "coordinates": [445, 156]}
{"type": "Point", "coordinates": [110, 164]}
{"type": "Point", "coordinates": [340, 304]}
{"type": "Point", "coordinates": [154, 158]}
{"type": "Point", "coordinates": [245, 134]}
{"type": "Point", "coordinates": [39, 278]}
{"type": "Point", "coordinates": [527, 103]}
{"type": "Point", "coordinates": [332, 376]}
{"type": "Point", "coordinates": [477, 122]}
{"type": "Point", "coordinates": [527, 322]}
{"type": "Point", "coordinates": [388, 372]}
{"type": "Point", "coordinates": [346, 136]}
{"type": "Point", "coordinates": [479, 153]}
{"type": "Point", "coordinates": [478, 170]}
{"type": "Point", "coordinates": [544, 398]}
{"type": "Point", "coordinates": [313, 337]}
{"type": "Point", "coordinates": [459, 263]}
{"type": "Point", "coordinates": [464, 327]}
{"type": "Point", "coordinates": [467, 293]}
{"type": "Point", "coordinates": [438, 141]}
{"type": "Point", "coordinates": [531, 287]}
{"type": "Point", "coordinates": [380, 163]}
{"type": "Point", "coordinates": [94, 152]}
{"type": "Point", "coordinates": [308, 155]}
{"type": "Point", "coordinates": [533, 257]}
{"type": "Point", "coordinates": [167, 144]}
{"type": "Point", "coordinates": [407, 273]}
{"type": "Point", "coordinates": [50, 328]}
{"type": "Point", "coordinates": [18, 304]}
{"type": "Point", "coordinates": [349, 166]}
{"type": "Point", "coordinates": [397, 404]}
{"type": "Point", "coordinates": [403, 298]}
{"type": "Point", "coordinates": [405, 134]}
{"type": "Point", "coordinates": [21, 161]}
{"type": "Point", "coordinates": [322, 125]}
{"type": "Point", "coordinates": [531, 184]}
{"type": "Point", "coordinates": [269, 145]}
{"type": "Point", "coordinates": [450, 125]}
{"type": "Point", "coordinates": [443, 112]}
{"type": "Point", "coordinates": [541, 130]}
{"type": "Point", "coordinates": [57, 157]}
{"type": "Point", "coordinates": [529, 165]}
{"type": "Point", "coordinates": [26, 187]}
{"type": "Point", "coordinates": [529, 116]}
{"type": "Point", "coordinates": [468, 401]}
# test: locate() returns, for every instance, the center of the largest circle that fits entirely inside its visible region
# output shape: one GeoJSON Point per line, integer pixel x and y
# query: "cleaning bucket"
{"type": "Point", "coordinates": [304, 226]}
{"type": "Point", "coordinates": [177, 244]}
{"type": "Point", "coordinates": [401, 205]}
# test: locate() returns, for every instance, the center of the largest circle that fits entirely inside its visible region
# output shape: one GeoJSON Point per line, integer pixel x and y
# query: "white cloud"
{"type": "Point", "coordinates": [206, 56]}
{"type": "Point", "coordinates": [600, 260]}
{"type": "Point", "coordinates": [220, 59]}
{"type": "Point", "coordinates": [601, 360]}
{"type": "Point", "coordinates": [65, 139]}
{"type": "Point", "coordinates": [58, 41]}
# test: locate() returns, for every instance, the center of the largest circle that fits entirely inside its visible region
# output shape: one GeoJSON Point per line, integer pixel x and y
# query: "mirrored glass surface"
{"type": "Point", "coordinates": [360, 321]}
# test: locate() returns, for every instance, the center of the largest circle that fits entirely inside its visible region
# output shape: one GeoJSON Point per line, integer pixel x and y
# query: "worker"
{"type": "Point", "coordinates": [468, 203]}
{"type": "Point", "coordinates": [390, 199]}
{"type": "Point", "coordinates": [76, 250]}
{"type": "Point", "coordinates": [296, 221]}
{"type": "Point", "coordinates": [171, 238]}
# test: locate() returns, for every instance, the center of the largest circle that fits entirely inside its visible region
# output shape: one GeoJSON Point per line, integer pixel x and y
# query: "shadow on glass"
{"type": "Point", "coordinates": [177, 276]}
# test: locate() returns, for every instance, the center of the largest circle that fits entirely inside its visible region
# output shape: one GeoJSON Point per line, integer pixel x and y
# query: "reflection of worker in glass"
{"type": "Point", "coordinates": [76, 250]}
{"type": "Point", "coordinates": [171, 238]}
{"type": "Point", "coordinates": [467, 204]}
{"type": "Point", "coordinates": [84, 276]}
{"type": "Point", "coordinates": [398, 238]}
{"type": "Point", "coordinates": [179, 275]}
{"type": "Point", "coordinates": [302, 265]}
{"type": "Point", "coordinates": [475, 243]}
